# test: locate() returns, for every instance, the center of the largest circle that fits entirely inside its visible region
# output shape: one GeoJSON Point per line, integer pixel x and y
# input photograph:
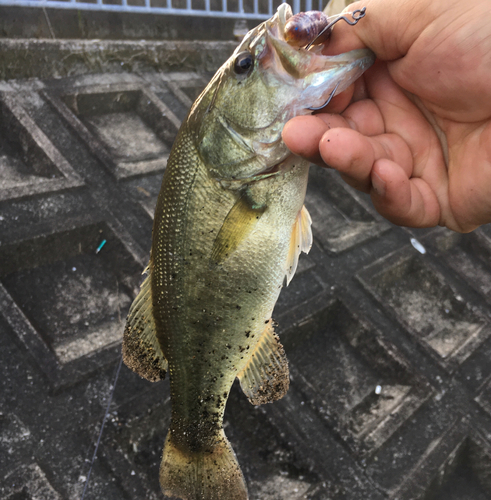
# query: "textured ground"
{"type": "Point", "coordinates": [389, 347]}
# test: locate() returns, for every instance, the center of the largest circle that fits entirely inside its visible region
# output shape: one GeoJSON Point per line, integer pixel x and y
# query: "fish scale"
{"type": "Point", "coordinates": [239, 297]}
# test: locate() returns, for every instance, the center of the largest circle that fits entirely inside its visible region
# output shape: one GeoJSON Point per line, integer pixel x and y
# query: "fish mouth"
{"type": "Point", "coordinates": [317, 76]}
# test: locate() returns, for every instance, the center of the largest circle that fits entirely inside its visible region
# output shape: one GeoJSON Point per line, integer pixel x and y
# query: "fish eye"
{"type": "Point", "coordinates": [244, 62]}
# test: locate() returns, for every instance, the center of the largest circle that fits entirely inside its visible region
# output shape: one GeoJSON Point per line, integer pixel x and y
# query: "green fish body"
{"type": "Point", "coordinates": [229, 227]}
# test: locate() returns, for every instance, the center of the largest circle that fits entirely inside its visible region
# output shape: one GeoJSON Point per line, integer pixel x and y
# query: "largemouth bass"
{"type": "Point", "coordinates": [229, 227]}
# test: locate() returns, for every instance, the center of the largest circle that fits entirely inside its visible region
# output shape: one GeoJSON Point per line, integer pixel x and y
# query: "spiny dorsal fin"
{"type": "Point", "coordinates": [238, 224]}
{"type": "Point", "coordinates": [141, 349]}
{"type": "Point", "coordinates": [266, 377]}
{"type": "Point", "coordinates": [301, 241]}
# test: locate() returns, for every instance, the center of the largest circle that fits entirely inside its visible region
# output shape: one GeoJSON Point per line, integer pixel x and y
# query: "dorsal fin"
{"type": "Point", "coordinates": [301, 241]}
{"type": "Point", "coordinates": [236, 227]}
{"type": "Point", "coordinates": [141, 349]}
{"type": "Point", "coordinates": [266, 377]}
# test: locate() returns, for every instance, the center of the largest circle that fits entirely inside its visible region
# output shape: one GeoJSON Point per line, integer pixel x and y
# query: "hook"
{"type": "Point", "coordinates": [356, 16]}
{"type": "Point", "coordinates": [331, 95]}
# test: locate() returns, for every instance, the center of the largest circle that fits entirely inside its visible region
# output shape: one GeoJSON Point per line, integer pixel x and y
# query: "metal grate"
{"type": "Point", "coordinates": [241, 9]}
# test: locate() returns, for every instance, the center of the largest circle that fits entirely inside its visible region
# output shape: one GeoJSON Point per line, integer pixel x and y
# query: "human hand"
{"type": "Point", "coordinates": [417, 134]}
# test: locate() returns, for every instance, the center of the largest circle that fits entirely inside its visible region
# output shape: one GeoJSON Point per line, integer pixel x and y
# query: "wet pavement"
{"type": "Point", "coordinates": [389, 347]}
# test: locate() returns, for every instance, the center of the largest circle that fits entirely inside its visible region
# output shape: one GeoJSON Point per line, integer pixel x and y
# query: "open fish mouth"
{"type": "Point", "coordinates": [318, 77]}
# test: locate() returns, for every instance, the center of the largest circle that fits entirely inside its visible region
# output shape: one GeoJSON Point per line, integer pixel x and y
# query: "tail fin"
{"type": "Point", "coordinates": [202, 475]}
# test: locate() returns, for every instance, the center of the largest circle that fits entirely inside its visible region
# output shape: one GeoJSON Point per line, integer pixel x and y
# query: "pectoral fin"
{"type": "Point", "coordinates": [266, 377]}
{"type": "Point", "coordinates": [301, 241]}
{"type": "Point", "coordinates": [236, 227]}
{"type": "Point", "coordinates": [141, 349]}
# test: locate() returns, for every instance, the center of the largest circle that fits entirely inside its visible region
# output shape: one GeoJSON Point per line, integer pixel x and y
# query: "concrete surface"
{"type": "Point", "coordinates": [389, 348]}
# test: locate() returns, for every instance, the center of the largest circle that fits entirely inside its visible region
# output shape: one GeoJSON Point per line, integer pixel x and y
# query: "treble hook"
{"type": "Point", "coordinates": [356, 15]}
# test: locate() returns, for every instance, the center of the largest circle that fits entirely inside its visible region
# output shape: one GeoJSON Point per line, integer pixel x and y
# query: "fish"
{"type": "Point", "coordinates": [230, 224]}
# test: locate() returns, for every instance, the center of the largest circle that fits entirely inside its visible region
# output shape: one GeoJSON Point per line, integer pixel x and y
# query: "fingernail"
{"type": "Point", "coordinates": [378, 184]}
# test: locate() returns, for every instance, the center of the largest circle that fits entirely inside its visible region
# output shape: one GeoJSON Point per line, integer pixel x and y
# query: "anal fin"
{"type": "Point", "coordinates": [266, 377]}
{"type": "Point", "coordinates": [141, 349]}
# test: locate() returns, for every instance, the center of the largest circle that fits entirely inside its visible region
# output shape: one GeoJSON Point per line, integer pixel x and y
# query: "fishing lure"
{"type": "Point", "coordinates": [314, 27]}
